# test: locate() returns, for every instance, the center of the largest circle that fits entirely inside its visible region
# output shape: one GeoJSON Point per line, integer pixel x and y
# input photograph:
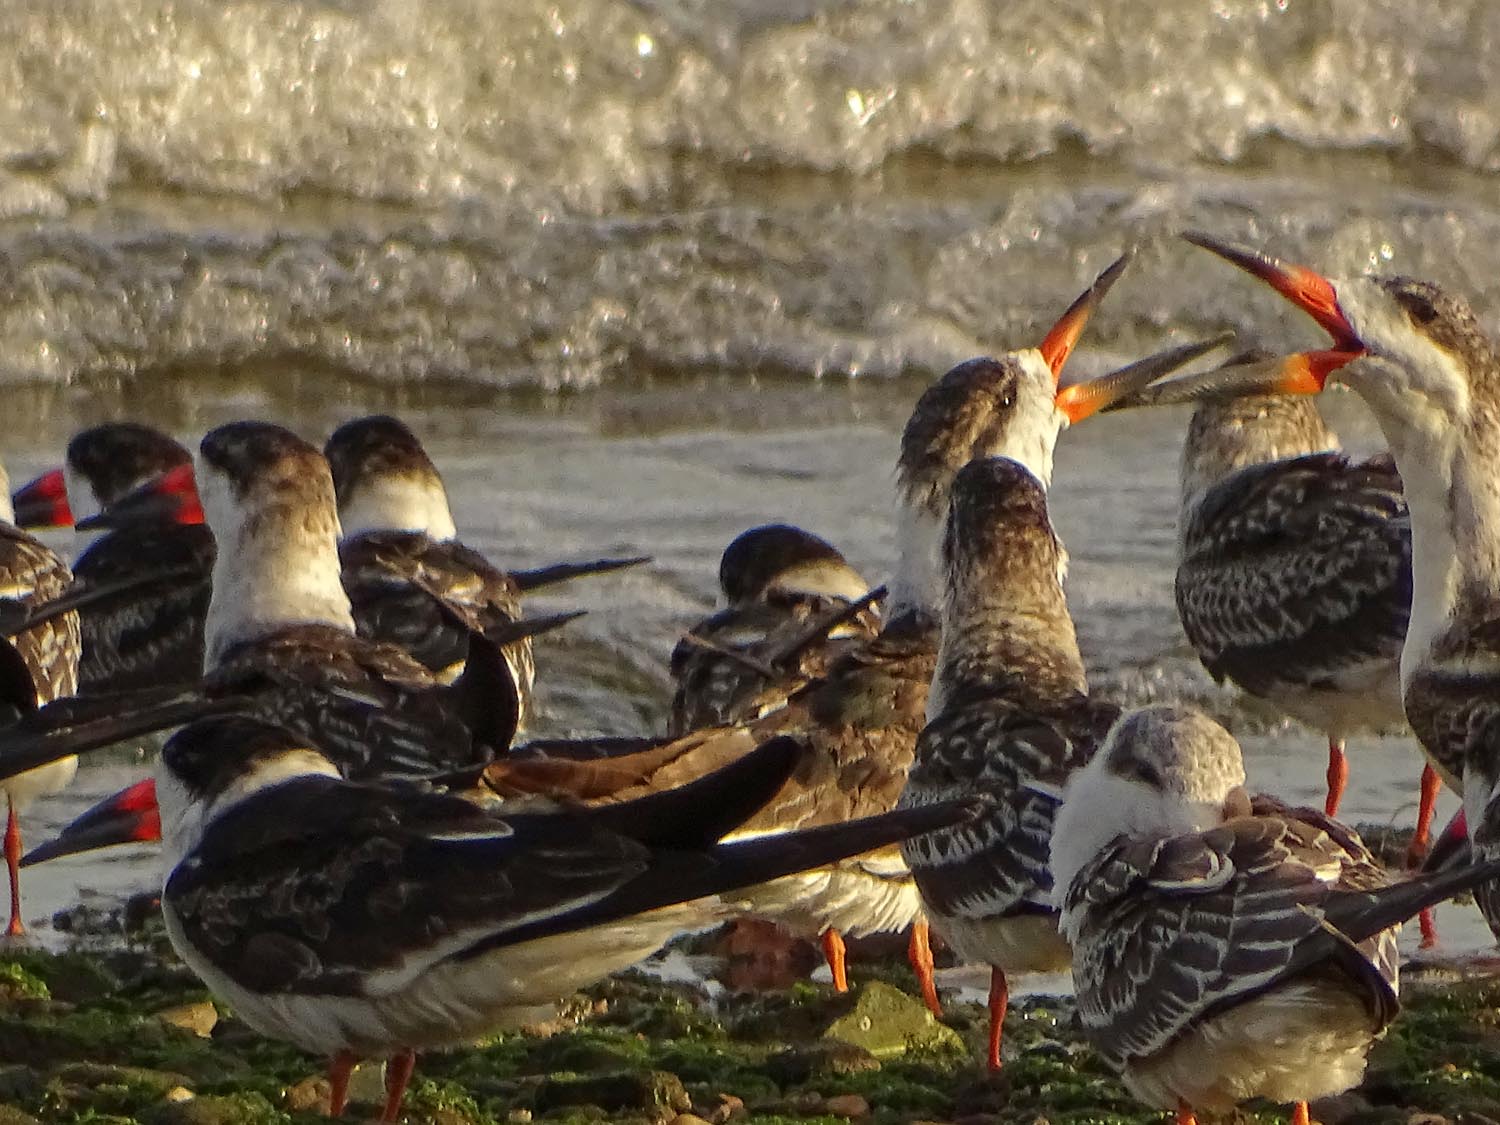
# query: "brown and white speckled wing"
{"type": "Point", "coordinates": [741, 662]}
{"type": "Point", "coordinates": [32, 573]}
{"type": "Point", "coordinates": [371, 708]}
{"type": "Point", "coordinates": [997, 865]}
{"type": "Point", "coordinates": [425, 596]}
{"type": "Point", "coordinates": [1169, 931]}
{"type": "Point", "coordinates": [860, 723]}
{"type": "Point", "coordinates": [156, 636]}
{"type": "Point", "coordinates": [1298, 572]}
{"type": "Point", "coordinates": [1453, 698]}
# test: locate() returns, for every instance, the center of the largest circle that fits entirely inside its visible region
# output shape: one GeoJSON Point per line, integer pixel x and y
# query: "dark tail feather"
{"type": "Point", "coordinates": [699, 814]}
{"type": "Point", "coordinates": [1359, 916]}
{"type": "Point", "coordinates": [508, 632]}
{"type": "Point", "coordinates": [24, 747]}
{"type": "Point", "coordinates": [17, 616]}
{"type": "Point", "coordinates": [684, 876]}
{"type": "Point", "coordinates": [529, 580]}
{"type": "Point", "coordinates": [486, 696]}
{"type": "Point", "coordinates": [1451, 849]}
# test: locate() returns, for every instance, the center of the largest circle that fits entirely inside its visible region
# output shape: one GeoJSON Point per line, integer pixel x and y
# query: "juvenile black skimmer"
{"type": "Point", "coordinates": [779, 582]}
{"type": "Point", "coordinates": [356, 920]}
{"type": "Point", "coordinates": [1011, 718]}
{"type": "Point", "coordinates": [37, 665]}
{"type": "Point", "coordinates": [153, 635]}
{"type": "Point", "coordinates": [410, 582]}
{"type": "Point", "coordinates": [1431, 376]}
{"type": "Point", "coordinates": [863, 718]}
{"type": "Point", "coordinates": [1224, 947]}
{"type": "Point", "coordinates": [1294, 571]}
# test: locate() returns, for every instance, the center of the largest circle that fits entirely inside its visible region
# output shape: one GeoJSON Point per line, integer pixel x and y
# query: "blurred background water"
{"type": "Point", "coordinates": [647, 273]}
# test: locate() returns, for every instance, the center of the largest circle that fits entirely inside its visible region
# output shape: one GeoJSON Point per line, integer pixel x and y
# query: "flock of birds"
{"type": "Point", "coordinates": [365, 859]}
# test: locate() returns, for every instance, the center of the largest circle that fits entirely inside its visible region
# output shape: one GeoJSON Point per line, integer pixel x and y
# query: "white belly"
{"type": "Point", "coordinates": [1300, 1042]}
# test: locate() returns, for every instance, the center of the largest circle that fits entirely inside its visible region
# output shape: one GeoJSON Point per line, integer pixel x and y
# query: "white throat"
{"type": "Point", "coordinates": [398, 503]}
{"type": "Point", "coordinates": [277, 568]}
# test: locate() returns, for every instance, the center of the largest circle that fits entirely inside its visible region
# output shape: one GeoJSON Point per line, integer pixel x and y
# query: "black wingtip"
{"type": "Point", "coordinates": [539, 577]}
{"type": "Point", "coordinates": [702, 812]}
{"type": "Point", "coordinates": [508, 632]}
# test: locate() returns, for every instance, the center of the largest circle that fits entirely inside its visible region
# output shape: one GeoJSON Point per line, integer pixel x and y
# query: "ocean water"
{"type": "Point", "coordinates": [647, 273]}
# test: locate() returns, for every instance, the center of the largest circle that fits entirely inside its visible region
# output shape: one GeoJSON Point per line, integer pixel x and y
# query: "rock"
{"type": "Point", "coordinates": [1339, 1109]}
{"type": "Point", "coordinates": [314, 1093]}
{"type": "Point", "coordinates": [232, 1109]}
{"type": "Point", "coordinates": [92, 1075]}
{"type": "Point", "coordinates": [519, 1116]}
{"type": "Point", "coordinates": [886, 1021]}
{"type": "Point", "coordinates": [10, 1115]}
{"type": "Point", "coordinates": [796, 1065]}
{"type": "Point", "coordinates": [689, 1119]}
{"type": "Point", "coordinates": [654, 1092]}
{"type": "Point", "coordinates": [852, 1106]}
{"type": "Point", "coordinates": [178, 1094]}
{"type": "Point", "coordinates": [726, 1107]}
{"type": "Point", "coordinates": [199, 1017]}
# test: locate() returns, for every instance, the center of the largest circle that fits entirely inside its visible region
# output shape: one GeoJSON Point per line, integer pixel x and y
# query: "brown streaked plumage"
{"type": "Point", "coordinates": [1012, 718]}
{"type": "Point", "coordinates": [779, 582]}
{"type": "Point", "coordinates": [37, 665]}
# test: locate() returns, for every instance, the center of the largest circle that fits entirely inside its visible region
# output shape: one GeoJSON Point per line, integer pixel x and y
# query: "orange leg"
{"type": "Point", "coordinates": [1432, 785]}
{"type": "Point", "coordinates": [1185, 1115]}
{"type": "Point", "coordinates": [1338, 776]}
{"type": "Point", "coordinates": [919, 953]}
{"type": "Point", "coordinates": [1299, 1115]}
{"type": "Point", "coordinates": [13, 863]}
{"type": "Point", "coordinates": [833, 949]}
{"type": "Point", "coordinates": [398, 1070]}
{"type": "Point", "coordinates": [999, 999]}
{"type": "Point", "coordinates": [339, 1068]}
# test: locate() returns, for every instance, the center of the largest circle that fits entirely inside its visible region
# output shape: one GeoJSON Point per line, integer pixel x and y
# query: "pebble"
{"type": "Point", "coordinates": [852, 1106]}
{"type": "Point", "coordinates": [200, 1018]}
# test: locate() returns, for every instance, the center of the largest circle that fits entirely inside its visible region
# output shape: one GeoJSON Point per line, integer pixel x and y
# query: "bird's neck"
{"type": "Point", "coordinates": [1452, 481]}
{"type": "Point", "coordinates": [917, 585]}
{"type": "Point", "coordinates": [1032, 652]}
{"type": "Point", "coordinates": [271, 574]}
{"type": "Point", "coordinates": [399, 503]}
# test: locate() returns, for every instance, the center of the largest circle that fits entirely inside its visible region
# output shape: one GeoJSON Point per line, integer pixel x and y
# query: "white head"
{"type": "Point", "coordinates": [268, 499]}
{"type": "Point", "coordinates": [1162, 771]}
{"type": "Point", "coordinates": [385, 481]}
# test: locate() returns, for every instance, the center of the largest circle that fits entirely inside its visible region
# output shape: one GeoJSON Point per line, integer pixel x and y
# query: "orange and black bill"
{"type": "Point", "coordinates": [1063, 336]}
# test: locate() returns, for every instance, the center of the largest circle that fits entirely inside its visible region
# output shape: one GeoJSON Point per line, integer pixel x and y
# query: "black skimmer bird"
{"type": "Point", "coordinates": [1294, 571]}
{"type": "Point", "coordinates": [358, 920]}
{"type": "Point", "coordinates": [280, 640]}
{"type": "Point", "coordinates": [781, 626]}
{"type": "Point", "coordinates": [863, 718]}
{"type": "Point", "coordinates": [410, 581]}
{"type": "Point", "coordinates": [1011, 717]}
{"type": "Point", "coordinates": [152, 633]}
{"type": "Point", "coordinates": [37, 665]}
{"type": "Point", "coordinates": [102, 464]}
{"type": "Point", "coordinates": [1431, 376]}
{"type": "Point", "coordinates": [1224, 947]}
